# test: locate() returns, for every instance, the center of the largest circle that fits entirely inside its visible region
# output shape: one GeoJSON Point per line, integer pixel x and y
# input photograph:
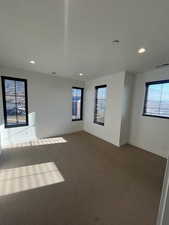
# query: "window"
{"type": "Point", "coordinates": [77, 103]}
{"type": "Point", "coordinates": [157, 99]}
{"type": "Point", "coordinates": [14, 92]}
{"type": "Point", "coordinates": [100, 104]}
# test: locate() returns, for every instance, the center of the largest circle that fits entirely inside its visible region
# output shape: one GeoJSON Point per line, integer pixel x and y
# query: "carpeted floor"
{"type": "Point", "coordinates": [103, 184]}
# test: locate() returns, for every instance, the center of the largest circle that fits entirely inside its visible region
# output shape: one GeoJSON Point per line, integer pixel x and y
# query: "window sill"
{"type": "Point", "coordinates": [162, 117]}
{"type": "Point", "coordinates": [77, 120]}
{"type": "Point", "coordinates": [99, 123]}
{"type": "Point", "coordinates": [15, 126]}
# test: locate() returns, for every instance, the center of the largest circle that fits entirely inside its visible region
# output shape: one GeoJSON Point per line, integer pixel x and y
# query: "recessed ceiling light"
{"type": "Point", "coordinates": [81, 74]}
{"type": "Point", "coordinates": [141, 50]}
{"type": "Point", "coordinates": [32, 62]}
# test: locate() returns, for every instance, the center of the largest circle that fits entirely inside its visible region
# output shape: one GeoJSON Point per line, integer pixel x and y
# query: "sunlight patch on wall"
{"type": "Point", "coordinates": [29, 177]}
{"type": "Point", "coordinates": [45, 141]}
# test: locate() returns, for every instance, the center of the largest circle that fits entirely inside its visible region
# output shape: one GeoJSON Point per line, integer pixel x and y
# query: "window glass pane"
{"type": "Point", "coordinates": [157, 101]}
{"type": "Point", "coordinates": [153, 99]}
{"type": "Point", "coordinates": [9, 87]}
{"type": "Point", "coordinates": [20, 101]}
{"type": "Point", "coordinates": [21, 116]}
{"type": "Point", "coordinates": [20, 88]}
{"type": "Point", "coordinates": [10, 99]}
{"type": "Point", "coordinates": [11, 114]}
{"type": "Point", "coordinates": [21, 110]}
{"type": "Point", "coordinates": [164, 105]}
{"type": "Point", "coordinates": [76, 104]}
{"type": "Point", "coordinates": [100, 105]}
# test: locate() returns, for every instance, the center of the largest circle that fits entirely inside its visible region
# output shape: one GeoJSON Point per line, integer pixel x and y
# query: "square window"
{"type": "Point", "coordinates": [156, 102]}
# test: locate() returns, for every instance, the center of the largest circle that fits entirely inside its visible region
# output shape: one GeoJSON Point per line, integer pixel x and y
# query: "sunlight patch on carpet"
{"type": "Point", "coordinates": [29, 177]}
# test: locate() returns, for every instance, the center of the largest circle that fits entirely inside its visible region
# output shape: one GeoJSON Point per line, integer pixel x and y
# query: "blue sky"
{"type": "Point", "coordinates": [102, 93]}
{"type": "Point", "coordinates": [159, 91]}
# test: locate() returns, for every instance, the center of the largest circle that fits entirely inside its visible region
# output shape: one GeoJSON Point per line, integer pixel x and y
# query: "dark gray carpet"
{"type": "Point", "coordinates": [104, 185]}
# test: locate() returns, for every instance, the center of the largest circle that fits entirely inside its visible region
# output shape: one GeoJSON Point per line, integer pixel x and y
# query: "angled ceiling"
{"type": "Point", "coordinates": [73, 36]}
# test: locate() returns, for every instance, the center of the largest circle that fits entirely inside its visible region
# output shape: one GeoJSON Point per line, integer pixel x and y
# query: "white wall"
{"type": "Point", "coordinates": [149, 133]}
{"type": "Point", "coordinates": [111, 131]}
{"type": "Point", "coordinates": [165, 202]}
{"type": "Point", "coordinates": [126, 108]}
{"type": "Point", "coordinates": [163, 212]}
{"type": "Point", "coordinates": [49, 100]}
{"type": "Point", "coordinates": [49, 104]}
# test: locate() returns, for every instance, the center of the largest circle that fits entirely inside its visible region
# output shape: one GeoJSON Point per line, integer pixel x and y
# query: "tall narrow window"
{"type": "Point", "coordinates": [156, 102]}
{"type": "Point", "coordinates": [14, 92]}
{"type": "Point", "coordinates": [100, 104]}
{"type": "Point", "coordinates": [77, 103]}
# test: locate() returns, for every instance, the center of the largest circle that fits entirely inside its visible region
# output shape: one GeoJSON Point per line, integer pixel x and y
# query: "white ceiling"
{"type": "Point", "coordinates": [73, 36]}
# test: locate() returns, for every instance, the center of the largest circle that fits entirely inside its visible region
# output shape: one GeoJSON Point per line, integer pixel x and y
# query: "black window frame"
{"type": "Point", "coordinates": [147, 84]}
{"type": "Point", "coordinates": [81, 103]}
{"type": "Point", "coordinates": [95, 104]}
{"type": "Point", "coordinates": [3, 78]}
